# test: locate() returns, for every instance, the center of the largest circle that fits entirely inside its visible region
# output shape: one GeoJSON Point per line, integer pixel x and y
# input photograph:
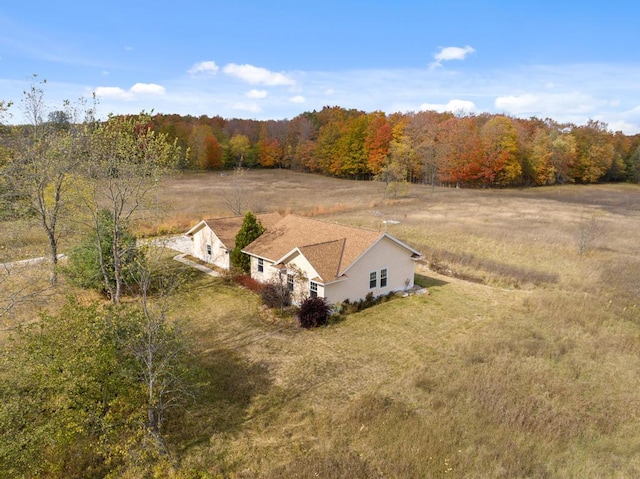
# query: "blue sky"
{"type": "Point", "coordinates": [566, 60]}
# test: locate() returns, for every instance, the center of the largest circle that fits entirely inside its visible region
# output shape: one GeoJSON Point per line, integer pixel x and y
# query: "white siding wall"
{"type": "Point", "coordinates": [268, 272]}
{"type": "Point", "coordinates": [218, 257]}
{"type": "Point", "coordinates": [385, 254]}
{"type": "Point", "coordinates": [304, 273]}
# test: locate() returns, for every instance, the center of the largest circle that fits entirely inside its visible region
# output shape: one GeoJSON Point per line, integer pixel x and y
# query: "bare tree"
{"type": "Point", "coordinates": [159, 346]}
{"type": "Point", "coordinates": [126, 163]}
{"type": "Point", "coordinates": [43, 160]}
{"type": "Point", "coordinates": [424, 129]}
{"type": "Point", "coordinates": [237, 198]}
{"type": "Point", "coordinates": [19, 286]}
{"type": "Point", "coordinates": [589, 230]}
{"type": "Point", "coordinates": [394, 173]}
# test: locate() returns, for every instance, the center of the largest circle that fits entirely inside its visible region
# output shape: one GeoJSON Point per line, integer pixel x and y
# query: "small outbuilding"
{"type": "Point", "coordinates": [213, 239]}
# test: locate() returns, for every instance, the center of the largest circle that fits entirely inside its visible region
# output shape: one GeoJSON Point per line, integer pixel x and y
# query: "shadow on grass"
{"type": "Point", "coordinates": [229, 384]}
{"type": "Point", "coordinates": [428, 282]}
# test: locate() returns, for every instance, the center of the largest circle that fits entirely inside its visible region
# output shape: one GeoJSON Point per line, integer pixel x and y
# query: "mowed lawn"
{"type": "Point", "coordinates": [522, 361]}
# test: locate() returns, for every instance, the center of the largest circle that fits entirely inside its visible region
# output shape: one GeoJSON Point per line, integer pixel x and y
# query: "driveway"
{"type": "Point", "coordinates": [180, 243]}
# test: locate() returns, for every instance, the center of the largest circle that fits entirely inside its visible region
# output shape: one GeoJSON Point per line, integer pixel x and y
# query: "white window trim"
{"type": "Point", "coordinates": [386, 277]}
{"type": "Point", "coordinates": [260, 266]}
{"type": "Point", "coordinates": [312, 290]}
{"type": "Point", "coordinates": [373, 277]}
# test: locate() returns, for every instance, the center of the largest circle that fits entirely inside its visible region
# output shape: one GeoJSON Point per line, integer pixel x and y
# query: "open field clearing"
{"type": "Point", "coordinates": [522, 361]}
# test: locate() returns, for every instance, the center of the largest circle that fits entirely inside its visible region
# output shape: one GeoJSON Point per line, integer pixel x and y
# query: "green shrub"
{"type": "Point", "coordinates": [84, 259]}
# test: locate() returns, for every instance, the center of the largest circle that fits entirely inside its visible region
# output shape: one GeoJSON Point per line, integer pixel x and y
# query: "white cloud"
{"type": "Point", "coordinates": [256, 94]}
{"type": "Point", "coordinates": [148, 89]}
{"type": "Point", "coordinates": [250, 107]}
{"type": "Point", "coordinates": [553, 104]}
{"type": "Point", "coordinates": [627, 122]}
{"type": "Point", "coordinates": [450, 53]}
{"type": "Point", "coordinates": [625, 127]}
{"type": "Point", "coordinates": [453, 53]}
{"type": "Point", "coordinates": [117, 93]}
{"type": "Point", "coordinates": [297, 99]}
{"type": "Point", "coordinates": [257, 75]}
{"type": "Point", "coordinates": [511, 103]}
{"type": "Point", "coordinates": [571, 93]}
{"type": "Point", "coordinates": [453, 106]}
{"type": "Point", "coordinates": [209, 67]}
{"type": "Point", "coordinates": [635, 110]}
{"type": "Point", "coordinates": [113, 92]}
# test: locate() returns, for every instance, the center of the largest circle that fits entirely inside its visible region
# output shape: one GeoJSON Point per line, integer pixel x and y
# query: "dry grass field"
{"type": "Point", "coordinates": [523, 360]}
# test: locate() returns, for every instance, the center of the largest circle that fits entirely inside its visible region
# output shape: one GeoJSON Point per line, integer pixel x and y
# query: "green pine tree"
{"type": "Point", "coordinates": [250, 230]}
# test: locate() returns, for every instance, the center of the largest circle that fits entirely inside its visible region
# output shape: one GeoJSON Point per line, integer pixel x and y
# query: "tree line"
{"type": "Point", "coordinates": [485, 150]}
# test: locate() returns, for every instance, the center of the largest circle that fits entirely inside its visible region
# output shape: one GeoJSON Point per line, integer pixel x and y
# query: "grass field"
{"type": "Point", "coordinates": [523, 360]}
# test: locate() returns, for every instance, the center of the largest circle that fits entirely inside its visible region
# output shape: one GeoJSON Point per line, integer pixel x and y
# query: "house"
{"type": "Point", "coordinates": [337, 262]}
{"type": "Point", "coordinates": [212, 240]}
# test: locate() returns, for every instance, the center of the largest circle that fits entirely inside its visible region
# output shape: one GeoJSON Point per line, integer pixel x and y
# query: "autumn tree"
{"type": "Point", "coordinates": [537, 167]}
{"type": "Point", "coordinates": [270, 153]}
{"type": "Point", "coordinates": [394, 173]}
{"type": "Point", "coordinates": [352, 149]}
{"type": "Point", "coordinates": [301, 142]}
{"type": "Point", "coordinates": [126, 162]}
{"type": "Point", "coordinates": [327, 149]}
{"type": "Point", "coordinates": [424, 131]}
{"type": "Point", "coordinates": [43, 160]}
{"type": "Point", "coordinates": [239, 146]}
{"type": "Point", "coordinates": [634, 166]}
{"type": "Point", "coordinates": [250, 230]}
{"type": "Point", "coordinates": [377, 142]}
{"type": "Point", "coordinates": [306, 156]}
{"type": "Point", "coordinates": [205, 147]}
{"type": "Point", "coordinates": [461, 148]}
{"type": "Point", "coordinates": [563, 156]}
{"type": "Point", "coordinates": [595, 152]}
{"type": "Point", "coordinates": [499, 164]}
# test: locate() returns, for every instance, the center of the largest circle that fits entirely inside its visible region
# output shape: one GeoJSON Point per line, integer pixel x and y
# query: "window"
{"type": "Point", "coordinates": [260, 265]}
{"type": "Point", "coordinates": [313, 289]}
{"type": "Point", "coordinates": [209, 249]}
{"type": "Point", "coordinates": [373, 280]}
{"type": "Point", "coordinates": [383, 278]}
{"type": "Point", "coordinates": [290, 282]}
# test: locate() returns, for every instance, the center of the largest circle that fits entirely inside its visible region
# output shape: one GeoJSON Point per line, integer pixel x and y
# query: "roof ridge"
{"type": "Point", "coordinates": [344, 244]}
{"type": "Point", "coordinates": [241, 216]}
{"type": "Point", "coordinates": [334, 223]}
{"type": "Point", "coordinates": [322, 243]}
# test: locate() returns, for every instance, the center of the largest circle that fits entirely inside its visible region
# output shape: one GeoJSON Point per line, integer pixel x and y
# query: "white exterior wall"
{"type": "Point", "coordinates": [304, 272]}
{"type": "Point", "coordinates": [268, 272]}
{"type": "Point", "coordinates": [384, 254]}
{"type": "Point", "coordinates": [218, 256]}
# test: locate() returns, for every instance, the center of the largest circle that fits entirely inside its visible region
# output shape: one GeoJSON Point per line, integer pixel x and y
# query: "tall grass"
{"type": "Point", "coordinates": [530, 370]}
